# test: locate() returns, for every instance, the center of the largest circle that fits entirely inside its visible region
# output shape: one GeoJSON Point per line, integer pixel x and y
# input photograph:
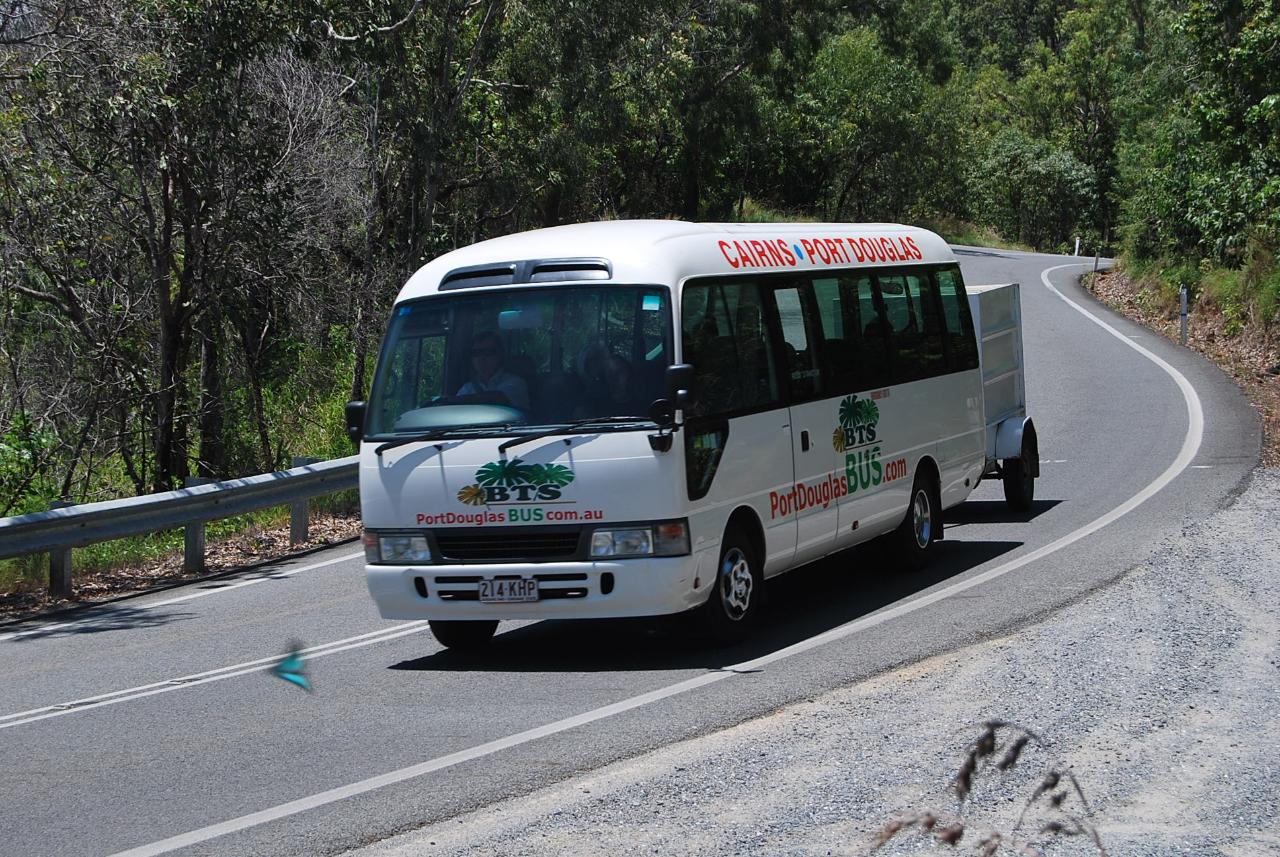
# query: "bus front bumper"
{"type": "Point", "coordinates": [651, 586]}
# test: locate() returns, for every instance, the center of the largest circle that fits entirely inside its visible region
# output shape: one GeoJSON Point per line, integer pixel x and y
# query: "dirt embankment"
{"type": "Point", "coordinates": [1252, 357]}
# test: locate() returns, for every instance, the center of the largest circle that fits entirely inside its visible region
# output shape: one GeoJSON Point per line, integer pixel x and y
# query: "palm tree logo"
{"type": "Point", "coordinates": [548, 474]}
{"type": "Point", "coordinates": [854, 412]}
{"type": "Point", "coordinates": [472, 495]}
{"type": "Point", "coordinates": [504, 473]}
{"type": "Point", "coordinates": [512, 474]}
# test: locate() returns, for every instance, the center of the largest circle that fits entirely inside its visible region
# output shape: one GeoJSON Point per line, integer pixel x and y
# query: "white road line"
{"type": "Point", "coordinates": [89, 622]}
{"type": "Point", "coordinates": [116, 697]}
{"type": "Point", "coordinates": [1190, 445]}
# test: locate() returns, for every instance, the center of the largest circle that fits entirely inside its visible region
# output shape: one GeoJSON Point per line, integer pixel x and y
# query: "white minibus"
{"type": "Point", "coordinates": [638, 418]}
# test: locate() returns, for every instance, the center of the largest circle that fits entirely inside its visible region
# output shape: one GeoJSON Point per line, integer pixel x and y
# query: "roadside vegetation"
{"type": "Point", "coordinates": [207, 208]}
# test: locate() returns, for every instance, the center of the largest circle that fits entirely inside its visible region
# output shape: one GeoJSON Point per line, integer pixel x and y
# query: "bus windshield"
{"type": "Point", "coordinates": [529, 357]}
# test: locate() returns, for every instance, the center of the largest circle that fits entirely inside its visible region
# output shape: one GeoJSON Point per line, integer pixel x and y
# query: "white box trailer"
{"type": "Point", "coordinates": [1012, 449]}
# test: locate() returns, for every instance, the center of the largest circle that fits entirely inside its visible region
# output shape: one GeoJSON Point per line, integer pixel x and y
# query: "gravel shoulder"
{"type": "Point", "coordinates": [1160, 693]}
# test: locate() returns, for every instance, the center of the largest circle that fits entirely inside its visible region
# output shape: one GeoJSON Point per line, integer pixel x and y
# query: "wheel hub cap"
{"type": "Point", "coordinates": [736, 584]}
{"type": "Point", "coordinates": [922, 516]}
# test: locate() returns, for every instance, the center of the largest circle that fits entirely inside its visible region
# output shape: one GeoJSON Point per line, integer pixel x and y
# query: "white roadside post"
{"type": "Point", "coordinates": [1182, 300]}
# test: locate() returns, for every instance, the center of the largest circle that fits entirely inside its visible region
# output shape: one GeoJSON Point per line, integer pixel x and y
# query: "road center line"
{"type": "Point", "coordinates": [1190, 445]}
{"type": "Point", "coordinates": [274, 575]}
{"type": "Point", "coordinates": [115, 697]}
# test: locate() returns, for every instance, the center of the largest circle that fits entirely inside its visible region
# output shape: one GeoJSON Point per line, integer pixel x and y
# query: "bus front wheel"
{"type": "Point", "coordinates": [734, 602]}
{"type": "Point", "coordinates": [463, 636]}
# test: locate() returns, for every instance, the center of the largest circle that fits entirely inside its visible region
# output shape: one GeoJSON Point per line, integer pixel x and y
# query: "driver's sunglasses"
{"type": "Point", "coordinates": [484, 352]}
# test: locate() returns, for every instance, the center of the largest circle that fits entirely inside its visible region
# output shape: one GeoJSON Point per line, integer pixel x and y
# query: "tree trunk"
{"type": "Point", "coordinates": [166, 404]}
{"type": "Point", "coordinates": [213, 447]}
{"type": "Point", "coordinates": [260, 417]}
{"type": "Point", "coordinates": [690, 179]}
{"type": "Point", "coordinates": [358, 343]}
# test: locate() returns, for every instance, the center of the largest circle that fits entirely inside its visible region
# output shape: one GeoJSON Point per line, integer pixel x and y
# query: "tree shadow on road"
{"type": "Point", "coordinates": [798, 605]}
{"type": "Point", "coordinates": [94, 621]}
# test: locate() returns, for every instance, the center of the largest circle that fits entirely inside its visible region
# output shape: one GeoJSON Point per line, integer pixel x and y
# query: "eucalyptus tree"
{"type": "Point", "coordinates": [137, 178]}
{"type": "Point", "coordinates": [413, 70]}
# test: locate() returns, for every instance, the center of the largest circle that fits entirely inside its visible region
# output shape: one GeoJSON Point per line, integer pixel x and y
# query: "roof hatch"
{"type": "Point", "coordinates": [527, 271]}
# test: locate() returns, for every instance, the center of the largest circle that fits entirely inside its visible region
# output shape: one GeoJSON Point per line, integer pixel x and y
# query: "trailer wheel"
{"type": "Point", "coordinates": [1020, 476]}
{"type": "Point", "coordinates": [918, 532]}
{"type": "Point", "coordinates": [733, 605]}
{"type": "Point", "coordinates": [463, 636]}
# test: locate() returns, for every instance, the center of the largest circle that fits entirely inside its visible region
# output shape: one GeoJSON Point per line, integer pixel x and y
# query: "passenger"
{"type": "Point", "coordinates": [608, 385]}
{"type": "Point", "coordinates": [489, 381]}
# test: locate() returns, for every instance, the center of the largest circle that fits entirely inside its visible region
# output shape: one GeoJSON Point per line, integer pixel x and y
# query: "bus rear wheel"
{"type": "Point", "coordinates": [918, 532]}
{"type": "Point", "coordinates": [732, 607]}
{"type": "Point", "coordinates": [464, 636]}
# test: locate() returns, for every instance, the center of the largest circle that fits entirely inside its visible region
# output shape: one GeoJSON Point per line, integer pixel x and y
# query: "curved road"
{"type": "Point", "coordinates": [151, 726]}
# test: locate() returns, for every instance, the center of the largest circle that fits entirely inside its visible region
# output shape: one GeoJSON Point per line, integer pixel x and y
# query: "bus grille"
{"type": "Point", "coordinates": [497, 546]}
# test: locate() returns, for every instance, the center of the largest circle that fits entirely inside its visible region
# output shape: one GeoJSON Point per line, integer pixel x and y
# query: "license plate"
{"type": "Point", "coordinates": [524, 589]}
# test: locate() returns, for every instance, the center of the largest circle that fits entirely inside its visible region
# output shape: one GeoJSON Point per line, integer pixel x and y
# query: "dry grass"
{"type": "Point", "coordinates": [1055, 809]}
{"type": "Point", "coordinates": [1251, 356]}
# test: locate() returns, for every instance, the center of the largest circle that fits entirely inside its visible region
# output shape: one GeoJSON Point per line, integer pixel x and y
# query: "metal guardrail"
{"type": "Point", "coordinates": [59, 530]}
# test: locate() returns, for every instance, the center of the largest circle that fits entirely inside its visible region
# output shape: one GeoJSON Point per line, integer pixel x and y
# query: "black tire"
{"type": "Point", "coordinates": [464, 636]}
{"type": "Point", "coordinates": [1020, 477]}
{"type": "Point", "coordinates": [733, 605]}
{"type": "Point", "coordinates": [918, 533]}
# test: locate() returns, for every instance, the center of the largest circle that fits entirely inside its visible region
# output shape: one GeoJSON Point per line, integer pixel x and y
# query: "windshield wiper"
{"type": "Point", "coordinates": [438, 434]}
{"type": "Point", "coordinates": [564, 428]}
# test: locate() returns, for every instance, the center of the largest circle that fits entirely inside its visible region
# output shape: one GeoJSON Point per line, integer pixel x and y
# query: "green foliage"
{"type": "Point", "coordinates": [206, 209]}
{"type": "Point", "coordinates": [857, 115]}
{"type": "Point", "coordinates": [751, 211]}
{"type": "Point", "coordinates": [1031, 189]}
{"type": "Point", "coordinates": [24, 483]}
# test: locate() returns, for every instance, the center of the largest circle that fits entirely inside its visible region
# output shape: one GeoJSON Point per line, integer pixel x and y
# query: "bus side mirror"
{"type": "Point", "coordinates": [663, 413]}
{"type": "Point", "coordinates": [680, 387]}
{"type": "Point", "coordinates": [355, 421]}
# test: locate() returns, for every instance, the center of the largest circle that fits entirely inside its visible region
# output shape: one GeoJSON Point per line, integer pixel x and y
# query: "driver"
{"type": "Point", "coordinates": [489, 381]}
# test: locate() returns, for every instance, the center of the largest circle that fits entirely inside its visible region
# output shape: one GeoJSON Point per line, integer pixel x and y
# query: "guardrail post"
{"type": "Point", "coordinates": [300, 510]}
{"type": "Point", "coordinates": [193, 533]}
{"type": "Point", "coordinates": [60, 563]}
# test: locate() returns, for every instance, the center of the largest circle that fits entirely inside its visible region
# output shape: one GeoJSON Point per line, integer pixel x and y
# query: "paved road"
{"type": "Point", "coordinates": [152, 725]}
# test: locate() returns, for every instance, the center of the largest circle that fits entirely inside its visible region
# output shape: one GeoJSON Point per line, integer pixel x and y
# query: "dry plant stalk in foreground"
{"type": "Point", "coordinates": [1052, 798]}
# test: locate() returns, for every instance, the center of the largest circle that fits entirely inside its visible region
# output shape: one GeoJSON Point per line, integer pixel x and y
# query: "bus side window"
{"type": "Point", "coordinates": [900, 324]}
{"type": "Point", "coordinates": [923, 300]}
{"type": "Point", "coordinates": [799, 351]}
{"type": "Point", "coordinates": [959, 321]}
{"type": "Point", "coordinates": [868, 332]}
{"type": "Point", "coordinates": [726, 340]}
{"type": "Point", "coordinates": [840, 333]}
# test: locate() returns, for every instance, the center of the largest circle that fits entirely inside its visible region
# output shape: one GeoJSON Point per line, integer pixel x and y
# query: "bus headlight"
{"type": "Point", "coordinates": [396, 549]}
{"type": "Point", "coordinates": [664, 538]}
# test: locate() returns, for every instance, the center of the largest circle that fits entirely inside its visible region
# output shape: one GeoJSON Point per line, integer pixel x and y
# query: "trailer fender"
{"type": "Point", "coordinates": [1009, 434]}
